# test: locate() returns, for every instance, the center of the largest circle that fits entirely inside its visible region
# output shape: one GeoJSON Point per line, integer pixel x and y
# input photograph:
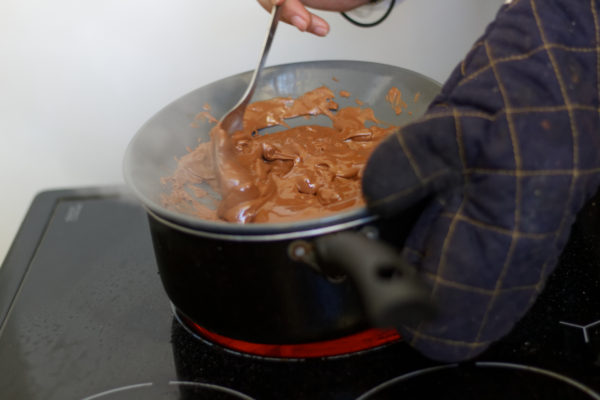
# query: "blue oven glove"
{"type": "Point", "coordinates": [507, 154]}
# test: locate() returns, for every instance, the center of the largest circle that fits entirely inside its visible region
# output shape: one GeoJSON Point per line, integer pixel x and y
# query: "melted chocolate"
{"type": "Point", "coordinates": [394, 97]}
{"type": "Point", "coordinates": [298, 173]}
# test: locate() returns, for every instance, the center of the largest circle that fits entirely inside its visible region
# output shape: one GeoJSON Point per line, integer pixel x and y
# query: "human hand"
{"type": "Point", "coordinates": [508, 154]}
{"type": "Point", "coordinates": [294, 12]}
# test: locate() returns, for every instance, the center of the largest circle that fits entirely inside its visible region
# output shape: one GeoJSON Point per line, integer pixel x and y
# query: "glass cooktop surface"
{"type": "Point", "coordinates": [83, 315]}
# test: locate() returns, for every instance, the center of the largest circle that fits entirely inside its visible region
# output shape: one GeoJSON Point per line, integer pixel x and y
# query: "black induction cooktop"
{"type": "Point", "coordinates": [83, 315]}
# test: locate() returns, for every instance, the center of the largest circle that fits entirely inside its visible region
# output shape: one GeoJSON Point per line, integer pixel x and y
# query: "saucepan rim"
{"type": "Point", "coordinates": [331, 223]}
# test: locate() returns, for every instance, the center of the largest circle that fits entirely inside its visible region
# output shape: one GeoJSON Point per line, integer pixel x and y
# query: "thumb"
{"type": "Point", "coordinates": [420, 160]}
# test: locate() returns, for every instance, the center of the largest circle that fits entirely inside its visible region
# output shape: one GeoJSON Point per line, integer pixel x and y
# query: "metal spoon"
{"type": "Point", "coordinates": [233, 120]}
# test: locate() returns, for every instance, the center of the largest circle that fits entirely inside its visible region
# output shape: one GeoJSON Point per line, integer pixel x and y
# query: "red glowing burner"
{"type": "Point", "coordinates": [365, 340]}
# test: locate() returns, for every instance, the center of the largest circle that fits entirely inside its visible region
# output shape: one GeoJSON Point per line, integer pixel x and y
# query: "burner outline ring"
{"type": "Point", "coordinates": [220, 388]}
{"type": "Point", "coordinates": [484, 364]}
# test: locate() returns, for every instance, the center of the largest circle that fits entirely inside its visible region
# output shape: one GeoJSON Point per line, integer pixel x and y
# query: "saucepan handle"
{"type": "Point", "coordinates": [392, 292]}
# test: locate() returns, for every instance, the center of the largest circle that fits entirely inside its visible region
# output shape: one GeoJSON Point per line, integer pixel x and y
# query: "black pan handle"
{"type": "Point", "coordinates": [392, 292]}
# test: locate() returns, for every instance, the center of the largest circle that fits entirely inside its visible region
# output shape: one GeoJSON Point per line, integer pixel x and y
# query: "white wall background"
{"type": "Point", "coordinates": [78, 77]}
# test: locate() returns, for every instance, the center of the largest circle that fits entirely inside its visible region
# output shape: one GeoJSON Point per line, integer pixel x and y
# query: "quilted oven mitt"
{"type": "Point", "coordinates": [507, 155]}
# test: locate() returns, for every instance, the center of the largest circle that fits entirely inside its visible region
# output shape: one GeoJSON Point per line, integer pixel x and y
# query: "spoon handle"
{"type": "Point", "coordinates": [233, 120]}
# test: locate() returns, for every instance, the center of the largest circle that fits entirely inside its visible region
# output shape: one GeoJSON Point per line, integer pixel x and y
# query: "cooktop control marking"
{"type": "Point", "coordinates": [584, 328]}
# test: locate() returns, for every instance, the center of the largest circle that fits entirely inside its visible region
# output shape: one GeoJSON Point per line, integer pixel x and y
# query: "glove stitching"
{"type": "Point", "coordinates": [409, 156]}
{"type": "Point", "coordinates": [597, 29]}
{"type": "Point", "coordinates": [518, 195]}
{"type": "Point", "coordinates": [498, 288]}
{"type": "Point", "coordinates": [518, 161]}
{"type": "Point", "coordinates": [563, 88]}
{"type": "Point", "coordinates": [477, 289]}
{"type": "Point", "coordinates": [533, 172]}
{"type": "Point", "coordinates": [500, 230]}
{"type": "Point", "coordinates": [517, 110]}
{"type": "Point", "coordinates": [451, 342]}
{"type": "Point", "coordinates": [525, 56]}
{"type": "Point", "coordinates": [574, 132]}
{"type": "Point", "coordinates": [550, 109]}
{"type": "Point", "coordinates": [576, 172]}
{"type": "Point", "coordinates": [441, 264]}
{"type": "Point", "coordinates": [460, 142]}
{"type": "Point", "coordinates": [452, 228]}
{"type": "Point", "coordinates": [454, 219]}
{"type": "Point", "coordinates": [513, 138]}
{"type": "Point", "coordinates": [530, 255]}
{"type": "Point", "coordinates": [448, 114]}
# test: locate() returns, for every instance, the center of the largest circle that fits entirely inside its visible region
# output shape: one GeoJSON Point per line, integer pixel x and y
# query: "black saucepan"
{"type": "Point", "coordinates": [284, 283]}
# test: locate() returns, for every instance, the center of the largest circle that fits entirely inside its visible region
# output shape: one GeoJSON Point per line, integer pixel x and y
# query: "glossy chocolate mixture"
{"type": "Point", "coordinates": [297, 173]}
